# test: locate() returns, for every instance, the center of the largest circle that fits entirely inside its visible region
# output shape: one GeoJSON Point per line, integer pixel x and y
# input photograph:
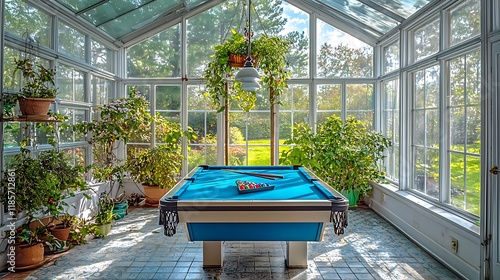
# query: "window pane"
{"type": "Point", "coordinates": [102, 57]}
{"type": "Point", "coordinates": [252, 130]}
{"type": "Point", "coordinates": [364, 14]}
{"type": "Point", "coordinates": [390, 128]}
{"type": "Point", "coordinates": [77, 155]}
{"type": "Point", "coordinates": [74, 116]}
{"type": "Point", "coordinates": [156, 57]}
{"type": "Point", "coordinates": [22, 20]}
{"type": "Point", "coordinates": [102, 89]}
{"type": "Point", "coordinates": [168, 98]}
{"type": "Point", "coordinates": [297, 30]}
{"type": "Point", "coordinates": [328, 101]}
{"type": "Point", "coordinates": [457, 129]}
{"type": "Point", "coordinates": [359, 103]}
{"type": "Point", "coordinates": [12, 134]}
{"type": "Point", "coordinates": [465, 22]}
{"type": "Point", "coordinates": [294, 109]}
{"type": "Point", "coordinates": [168, 104]}
{"type": "Point", "coordinates": [473, 184]}
{"type": "Point", "coordinates": [464, 113]}
{"type": "Point", "coordinates": [11, 81]}
{"type": "Point", "coordinates": [203, 120]}
{"type": "Point", "coordinates": [206, 30]}
{"type": "Point", "coordinates": [391, 57]}
{"type": "Point", "coordinates": [425, 137]}
{"type": "Point", "coordinates": [71, 84]}
{"type": "Point", "coordinates": [426, 40]}
{"type": "Point", "coordinates": [341, 55]}
{"type": "Point", "coordinates": [71, 41]}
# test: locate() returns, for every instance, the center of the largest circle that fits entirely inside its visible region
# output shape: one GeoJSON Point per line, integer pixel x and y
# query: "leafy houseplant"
{"type": "Point", "coordinates": [43, 182]}
{"type": "Point", "coordinates": [104, 216]}
{"type": "Point", "coordinates": [39, 87]}
{"type": "Point", "coordinates": [156, 167]}
{"type": "Point", "coordinates": [118, 122]}
{"type": "Point", "coordinates": [270, 52]}
{"type": "Point", "coordinates": [344, 154]}
{"type": "Point", "coordinates": [28, 245]}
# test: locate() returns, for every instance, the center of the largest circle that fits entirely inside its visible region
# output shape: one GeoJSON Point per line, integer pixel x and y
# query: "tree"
{"type": "Point", "coordinates": [344, 61]}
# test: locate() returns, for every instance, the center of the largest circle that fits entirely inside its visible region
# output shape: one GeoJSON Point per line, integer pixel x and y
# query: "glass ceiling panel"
{"type": "Point", "coordinates": [404, 8]}
{"type": "Point", "coordinates": [138, 18]}
{"type": "Point", "coordinates": [115, 9]}
{"type": "Point", "coordinates": [119, 18]}
{"type": "Point", "coordinates": [364, 14]}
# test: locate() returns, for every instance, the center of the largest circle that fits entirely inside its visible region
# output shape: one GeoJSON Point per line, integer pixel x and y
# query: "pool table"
{"type": "Point", "coordinates": [271, 203]}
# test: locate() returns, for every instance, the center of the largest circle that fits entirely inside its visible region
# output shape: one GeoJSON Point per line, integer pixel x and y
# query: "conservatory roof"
{"type": "Point", "coordinates": [123, 20]}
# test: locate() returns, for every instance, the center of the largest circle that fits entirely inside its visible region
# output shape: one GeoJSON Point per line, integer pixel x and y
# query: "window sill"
{"type": "Point", "coordinates": [428, 206]}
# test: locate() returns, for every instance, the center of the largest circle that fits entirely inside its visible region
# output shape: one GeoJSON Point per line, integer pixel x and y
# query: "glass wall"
{"type": "Point", "coordinates": [430, 97]}
{"type": "Point", "coordinates": [444, 112]}
{"type": "Point", "coordinates": [30, 34]}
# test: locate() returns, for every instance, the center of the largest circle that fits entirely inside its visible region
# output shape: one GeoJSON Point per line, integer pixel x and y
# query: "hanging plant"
{"type": "Point", "coordinates": [269, 54]}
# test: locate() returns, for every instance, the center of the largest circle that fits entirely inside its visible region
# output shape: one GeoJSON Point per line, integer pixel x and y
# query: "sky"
{"type": "Point", "coordinates": [297, 20]}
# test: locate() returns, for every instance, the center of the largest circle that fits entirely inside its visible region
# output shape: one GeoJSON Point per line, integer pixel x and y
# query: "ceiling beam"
{"type": "Point", "coordinates": [383, 10]}
{"type": "Point", "coordinates": [92, 7]}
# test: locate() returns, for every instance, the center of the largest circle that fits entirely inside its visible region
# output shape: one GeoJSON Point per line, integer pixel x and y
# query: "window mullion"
{"type": "Point", "coordinates": [444, 146]}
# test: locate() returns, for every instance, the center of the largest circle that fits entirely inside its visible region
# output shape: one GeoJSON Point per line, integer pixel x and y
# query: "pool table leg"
{"type": "Point", "coordinates": [212, 253]}
{"type": "Point", "coordinates": [296, 254]}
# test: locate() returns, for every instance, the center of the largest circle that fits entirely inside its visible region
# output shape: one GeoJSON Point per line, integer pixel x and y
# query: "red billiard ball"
{"type": "Point", "coordinates": [242, 187]}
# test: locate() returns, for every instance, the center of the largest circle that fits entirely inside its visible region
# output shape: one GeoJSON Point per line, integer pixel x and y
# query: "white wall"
{"type": "Point", "coordinates": [430, 227]}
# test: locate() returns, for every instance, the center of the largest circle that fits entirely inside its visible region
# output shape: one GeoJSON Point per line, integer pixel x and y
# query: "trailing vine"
{"type": "Point", "coordinates": [269, 53]}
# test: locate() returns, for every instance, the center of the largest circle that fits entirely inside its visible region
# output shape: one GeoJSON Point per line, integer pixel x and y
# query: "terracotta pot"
{"type": "Point", "coordinates": [236, 60]}
{"type": "Point", "coordinates": [34, 106]}
{"type": "Point", "coordinates": [60, 232]}
{"type": "Point", "coordinates": [29, 255]}
{"type": "Point", "coordinates": [154, 193]}
{"type": "Point", "coordinates": [42, 222]}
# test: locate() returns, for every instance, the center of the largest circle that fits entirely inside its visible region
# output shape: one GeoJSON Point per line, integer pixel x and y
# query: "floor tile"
{"type": "Point", "coordinates": [137, 249]}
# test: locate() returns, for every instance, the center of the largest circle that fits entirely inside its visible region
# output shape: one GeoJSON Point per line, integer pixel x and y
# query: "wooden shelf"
{"type": "Point", "coordinates": [31, 118]}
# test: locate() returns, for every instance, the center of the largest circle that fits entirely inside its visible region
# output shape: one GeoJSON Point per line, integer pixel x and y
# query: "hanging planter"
{"type": "Point", "coordinates": [269, 57]}
{"type": "Point", "coordinates": [237, 60]}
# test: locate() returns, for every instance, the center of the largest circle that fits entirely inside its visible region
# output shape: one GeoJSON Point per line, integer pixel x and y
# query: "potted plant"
{"type": "Point", "coordinates": [118, 121]}
{"type": "Point", "coordinates": [54, 245]}
{"type": "Point", "coordinates": [82, 230]}
{"type": "Point", "coordinates": [344, 154]}
{"type": "Point", "coordinates": [269, 51]}
{"type": "Point", "coordinates": [62, 227]}
{"type": "Point", "coordinates": [42, 182]}
{"type": "Point", "coordinates": [28, 246]}
{"type": "Point", "coordinates": [104, 217]}
{"type": "Point", "coordinates": [38, 90]}
{"type": "Point", "coordinates": [157, 167]}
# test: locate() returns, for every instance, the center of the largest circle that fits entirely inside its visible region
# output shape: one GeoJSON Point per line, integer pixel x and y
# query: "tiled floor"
{"type": "Point", "coordinates": [137, 249]}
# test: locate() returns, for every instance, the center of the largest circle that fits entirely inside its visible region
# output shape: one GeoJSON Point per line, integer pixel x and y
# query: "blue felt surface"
{"type": "Point", "coordinates": [216, 184]}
